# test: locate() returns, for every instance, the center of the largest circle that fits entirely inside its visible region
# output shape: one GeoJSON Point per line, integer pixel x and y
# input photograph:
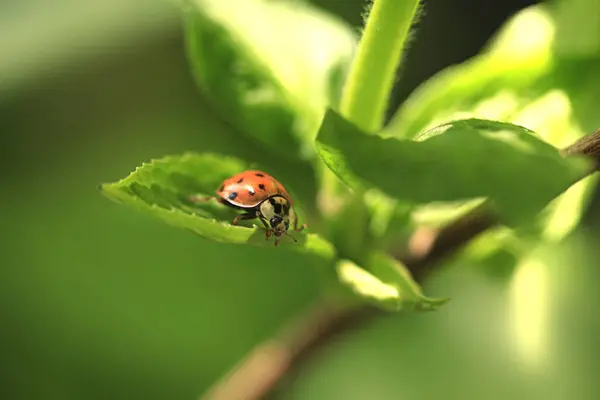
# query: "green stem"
{"type": "Point", "coordinates": [371, 79]}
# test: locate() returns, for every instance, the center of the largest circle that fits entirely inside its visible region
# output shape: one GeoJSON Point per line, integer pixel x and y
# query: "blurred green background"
{"type": "Point", "coordinates": [98, 302]}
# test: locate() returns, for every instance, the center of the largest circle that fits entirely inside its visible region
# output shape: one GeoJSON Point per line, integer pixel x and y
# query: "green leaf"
{"type": "Point", "coordinates": [162, 188]}
{"type": "Point", "coordinates": [368, 287]}
{"type": "Point", "coordinates": [387, 285]}
{"type": "Point", "coordinates": [459, 161]}
{"type": "Point", "coordinates": [270, 67]}
{"type": "Point", "coordinates": [538, 72]}
{"type": "Point", "coordinates": [387, 215]}
{"type": "Point", "coordinates": [348, 228]}
{"type": "Point", "coordinates": [517, 60]}
{"type": "Point", "coordinates": [578, 27]}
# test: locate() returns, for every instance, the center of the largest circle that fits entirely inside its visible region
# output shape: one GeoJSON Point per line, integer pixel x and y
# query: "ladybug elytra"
{"type": "Point", "coordinates": [260, 196]}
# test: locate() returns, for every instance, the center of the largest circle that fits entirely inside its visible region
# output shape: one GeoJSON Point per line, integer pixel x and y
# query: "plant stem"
{"type": "Point", "coordinates": [371, 79]}
{"type": "Point", "coordinates": [259, 373]}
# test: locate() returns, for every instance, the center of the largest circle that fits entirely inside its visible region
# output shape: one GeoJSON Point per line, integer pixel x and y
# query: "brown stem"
{"type": "Point", "coordinates": [589, 146]}
{"type": "Point", "coordinates": [427, 246]}
{"type": "Point", "coordinates": [258, 374]}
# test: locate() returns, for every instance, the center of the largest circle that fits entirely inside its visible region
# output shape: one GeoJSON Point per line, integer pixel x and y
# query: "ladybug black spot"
{"type": "Point", "coordinates": [222, 188]}
{"type": "Point", "coordinates": [241, 180]}
{"type": "Point", "coordinates": [272, 201]}
{"type": "Point", "coordinates": [232, 195]}
{"type": "Point", "coordinates": [251, 192]}
{"type": "Point", "coordinates": [277, 208]}
{"type": "Point", "coordinates": [260, 175]}
{"type": "Point", "coordinates": [261, 186]}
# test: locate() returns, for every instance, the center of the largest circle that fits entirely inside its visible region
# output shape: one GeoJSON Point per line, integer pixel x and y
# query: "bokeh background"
{"type": "Point", "coordinates": [100, 302]}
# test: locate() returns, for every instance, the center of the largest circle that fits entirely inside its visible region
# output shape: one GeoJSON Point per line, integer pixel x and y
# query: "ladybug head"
{"type": "Point", "coordinates": [279, 225]}
{"type": "Point", "coordinates": [276, 211]}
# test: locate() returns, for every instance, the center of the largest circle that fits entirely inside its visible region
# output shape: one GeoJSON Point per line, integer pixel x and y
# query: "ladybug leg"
{"type": "Point", "coordinates": [264, 222]}
{"type": "Point", "coordinates": [242, 217]}
{"type": "Point", "coordinates": [304, 226]}
{"type": "Point", "coordinates": [268, 233]}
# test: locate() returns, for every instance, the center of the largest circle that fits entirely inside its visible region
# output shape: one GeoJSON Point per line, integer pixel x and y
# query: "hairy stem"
{"type": "Point", "coordinates": [371, 79]}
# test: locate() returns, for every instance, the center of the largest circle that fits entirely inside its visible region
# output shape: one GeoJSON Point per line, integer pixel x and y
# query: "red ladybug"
{"type": "Point", "coordinates": [260, 196]}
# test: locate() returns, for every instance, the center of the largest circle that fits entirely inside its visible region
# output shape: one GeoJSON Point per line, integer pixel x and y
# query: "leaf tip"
{"type": "Point", "coordinates": [110, 191]}
{"type": "Point", "coordinates": [433, 304]}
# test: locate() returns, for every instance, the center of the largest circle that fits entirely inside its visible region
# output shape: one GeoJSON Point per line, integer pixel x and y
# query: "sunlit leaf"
{"type": "Point", "coordinates": [578, 27]}
{"type": "Point", "coordinates": [367, 286]}
{"type": "Point", "coordinates": [541, 71]}
{"type": "Point", "coordinates": [387, 284]}
{"type": "Point", "coordinates": [270, 67]}
{"type": "Point", "coordinates": [393, 272]}
{"type": "Point", "coordinates": [162, 188]}
{"type": "Point", "coordinates": [462, 160]}
{"type": "Point", "coordinates": [490, 85]}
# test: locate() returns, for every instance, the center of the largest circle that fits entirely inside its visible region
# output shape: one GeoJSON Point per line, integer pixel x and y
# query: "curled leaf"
{"type": "Point", "coordinates": [387, 284]}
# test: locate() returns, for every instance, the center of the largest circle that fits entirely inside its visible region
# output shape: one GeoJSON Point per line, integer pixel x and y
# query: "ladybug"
{"type": "Point", "coordinates": [260, 196]}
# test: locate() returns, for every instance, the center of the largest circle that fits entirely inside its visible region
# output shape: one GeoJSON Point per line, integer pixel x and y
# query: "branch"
{"type": "Point", "coordinates": [259, 373]}
{"type": "Point", "coordinates": [428, 246]}
{"type": "Point", "coordinates": [589, 146]}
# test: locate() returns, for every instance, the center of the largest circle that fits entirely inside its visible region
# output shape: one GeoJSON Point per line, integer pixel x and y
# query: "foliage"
{"type": "Point", "coordinates": [160, 188]}
{"type": "Point", "coordinates": [292, 79]}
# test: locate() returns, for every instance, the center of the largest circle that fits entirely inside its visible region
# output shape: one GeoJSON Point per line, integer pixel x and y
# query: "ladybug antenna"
{"type": "Point", "coordinates": [295, 240]}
